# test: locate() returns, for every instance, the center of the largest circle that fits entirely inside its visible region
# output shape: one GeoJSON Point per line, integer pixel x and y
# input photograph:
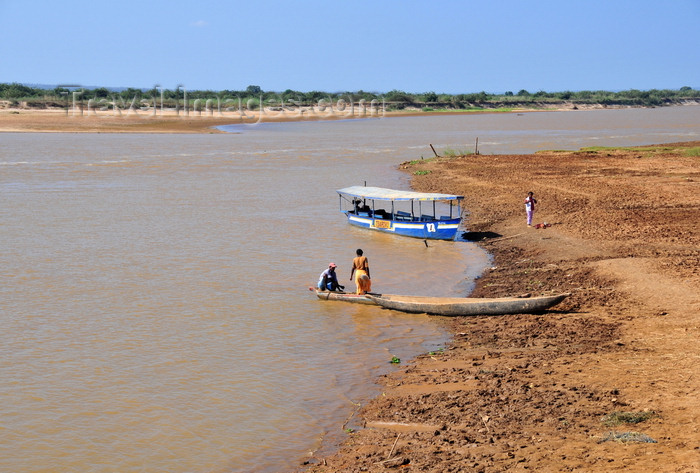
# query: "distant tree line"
{"type": "Point", "coordinates": [33, 97]}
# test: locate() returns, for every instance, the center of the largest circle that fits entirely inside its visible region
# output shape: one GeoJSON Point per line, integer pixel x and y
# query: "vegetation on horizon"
{"type": "Point", "coordinates": [251, 97]}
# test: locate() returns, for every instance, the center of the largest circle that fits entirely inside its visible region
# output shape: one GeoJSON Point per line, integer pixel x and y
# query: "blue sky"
{"type": "Point", "coordinates": [334, 46]}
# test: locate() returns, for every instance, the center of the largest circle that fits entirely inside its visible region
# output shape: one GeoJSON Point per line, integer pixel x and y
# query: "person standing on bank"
{"type": "Point", "coordinates": [360, 270]}
{"type": "Point", "coordinates": [530, 202]}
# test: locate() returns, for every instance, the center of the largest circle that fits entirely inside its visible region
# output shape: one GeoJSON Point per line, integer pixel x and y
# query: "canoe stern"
{"type": "Point", "coordinates": [455, 306]}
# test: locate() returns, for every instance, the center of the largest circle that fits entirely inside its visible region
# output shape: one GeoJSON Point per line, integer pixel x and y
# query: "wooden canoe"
{"type": "Point", "coordinates": [344, 296]}
{"type": "Point", "coordinates": [456, 306]}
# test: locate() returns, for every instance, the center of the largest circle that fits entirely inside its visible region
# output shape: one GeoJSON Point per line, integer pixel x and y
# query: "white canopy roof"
{"type": "Point", "coordinates": [379, 193]}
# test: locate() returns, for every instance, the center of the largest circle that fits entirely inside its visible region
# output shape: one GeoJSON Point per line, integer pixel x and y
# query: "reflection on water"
{"type": "Point", "coordinates": [154, 298]}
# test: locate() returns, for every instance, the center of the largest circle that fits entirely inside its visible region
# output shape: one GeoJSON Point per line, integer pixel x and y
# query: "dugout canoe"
{"type": "Point", "coordinates": [458, 306]}
{"type": "Point", "coordinates": [344, 296]}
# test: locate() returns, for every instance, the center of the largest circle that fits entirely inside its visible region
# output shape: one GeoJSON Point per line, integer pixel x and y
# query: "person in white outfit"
{"type": "Point", "coordinates": [530, 202]}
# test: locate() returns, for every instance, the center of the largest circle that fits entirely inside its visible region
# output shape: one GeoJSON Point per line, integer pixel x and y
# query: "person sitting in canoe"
{"type": "Point", "coordinates": [360, 269]}
{"type": "Point", "coordinates": [328, 281]}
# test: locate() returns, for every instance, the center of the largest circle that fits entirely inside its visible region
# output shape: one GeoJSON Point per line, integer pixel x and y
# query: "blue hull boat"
{"type": "Point", "coordinates": [412, 214]}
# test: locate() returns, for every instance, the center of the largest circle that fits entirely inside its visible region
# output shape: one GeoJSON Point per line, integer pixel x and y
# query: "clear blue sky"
{"type": "Point", "coordinates": [447, 46]}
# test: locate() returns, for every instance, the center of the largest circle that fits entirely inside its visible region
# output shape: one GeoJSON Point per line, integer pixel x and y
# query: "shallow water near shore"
{"type": "Point", "coordinates": [154, 302]}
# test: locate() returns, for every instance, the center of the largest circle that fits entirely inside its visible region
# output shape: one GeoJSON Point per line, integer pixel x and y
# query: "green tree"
{"type": "Point", "coordinates": [481, 97]}
{"type": "Point", "coordinates": [17, 91]}
{"type": "Point", "coordinates": [101, 92]}
{"type": "Point", "coordinates": [399, 96]}
{"type": "Point", "coordinates": [313, 97]}
{"type": "Point", "coordinates": [430, 97]}
{"type": "Point", "coordinates": [130, 93]}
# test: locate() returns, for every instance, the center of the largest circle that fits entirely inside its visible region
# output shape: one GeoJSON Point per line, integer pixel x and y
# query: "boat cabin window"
{"type": "Point", "coordinates": [405, 210]}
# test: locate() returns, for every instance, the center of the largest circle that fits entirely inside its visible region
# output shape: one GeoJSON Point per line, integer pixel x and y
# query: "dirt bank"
{"type": "Point", "coordinates": [530, 392]}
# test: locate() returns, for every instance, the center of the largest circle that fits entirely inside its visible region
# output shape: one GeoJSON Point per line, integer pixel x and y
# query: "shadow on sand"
{"type": "Point", "coordinates": [479, 236]}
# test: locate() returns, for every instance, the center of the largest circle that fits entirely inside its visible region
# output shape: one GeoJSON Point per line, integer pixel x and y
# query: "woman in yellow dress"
{"type": "Point", "coordinates": [360, 269]}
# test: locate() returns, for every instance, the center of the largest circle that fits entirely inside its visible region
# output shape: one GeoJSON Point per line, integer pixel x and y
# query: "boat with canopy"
{"type": "Point", "coordinates": [426, 215]}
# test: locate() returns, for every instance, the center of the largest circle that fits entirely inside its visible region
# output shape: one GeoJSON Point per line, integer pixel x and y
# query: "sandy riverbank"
{"type": "Point", "coordinates": [75, 121]}
{"type": "Point", "coordinates": [530, 392]}
{"type": "Point", "coordinates": [59, 121]}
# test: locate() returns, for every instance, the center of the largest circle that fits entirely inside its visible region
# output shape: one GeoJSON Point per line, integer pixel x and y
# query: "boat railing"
{"type": "Point", "coordinates": [383, 215]}
{"type": "Point", "coordinates": [400, 216]}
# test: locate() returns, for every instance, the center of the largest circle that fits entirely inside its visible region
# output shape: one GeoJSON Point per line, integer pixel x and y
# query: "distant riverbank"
{"type": "Point", "coordinates": [135, 120]}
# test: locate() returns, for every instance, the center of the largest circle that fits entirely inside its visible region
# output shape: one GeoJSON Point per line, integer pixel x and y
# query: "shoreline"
{"type": "Point", "coordinates": [537, 392]}
{"type": "Point", "coordinates": [22, 120]}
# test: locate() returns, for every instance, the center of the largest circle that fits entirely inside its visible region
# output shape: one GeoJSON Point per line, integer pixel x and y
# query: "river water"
{"type": "Point", "coordinates": [154, 308]}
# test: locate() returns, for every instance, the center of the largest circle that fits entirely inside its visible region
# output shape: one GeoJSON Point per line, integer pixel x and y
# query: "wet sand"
{"type": "Point", "coordinates": [532, 392]}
